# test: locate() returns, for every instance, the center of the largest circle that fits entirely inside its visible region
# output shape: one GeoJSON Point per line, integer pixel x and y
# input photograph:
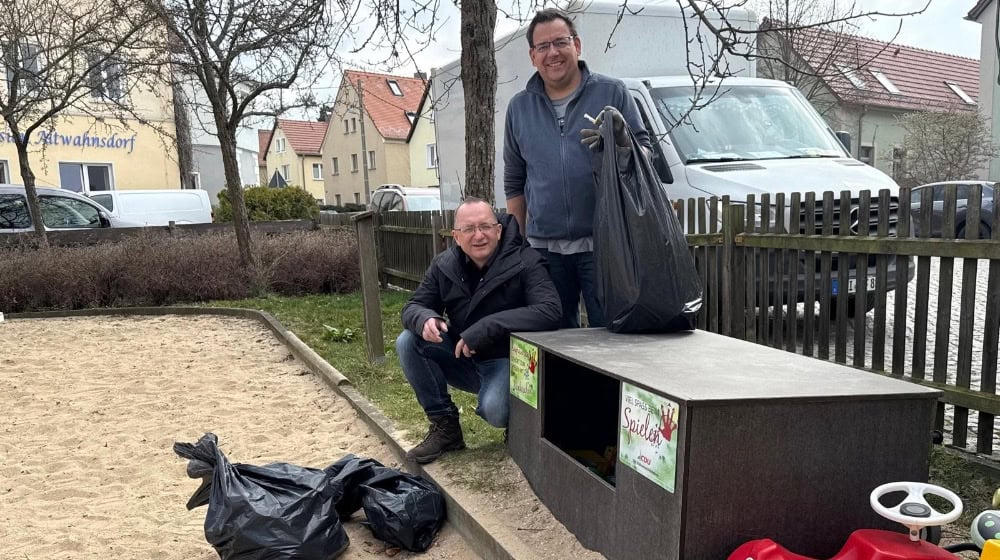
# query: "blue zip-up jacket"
{"type": "Point", "coordinates": [551, 167]}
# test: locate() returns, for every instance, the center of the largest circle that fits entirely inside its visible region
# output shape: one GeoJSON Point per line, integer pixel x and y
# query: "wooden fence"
{"type": "Point", "coordinates": [772, 271]}
{"type": "Point", "coordinates": [107, 235]}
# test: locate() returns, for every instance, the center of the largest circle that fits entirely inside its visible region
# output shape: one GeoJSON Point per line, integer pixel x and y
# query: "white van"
{"type": "Point", "coordinates": [157, 207]}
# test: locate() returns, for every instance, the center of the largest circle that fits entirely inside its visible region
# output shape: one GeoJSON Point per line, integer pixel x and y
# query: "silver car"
{"type": "Point", "coordinates": [962, 193]}
{"type": "Point", "coordinates": [61, 210]}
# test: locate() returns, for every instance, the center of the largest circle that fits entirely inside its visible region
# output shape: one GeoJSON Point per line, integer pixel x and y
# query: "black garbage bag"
{"type": "Point", "coordinates": [350, 472]}
{"type": "Point", "coordinates": [402, 509]}
{"type": "Point", "coordinates": [646, 276]}
{"type": "Point", "coordinates": [275, 511]}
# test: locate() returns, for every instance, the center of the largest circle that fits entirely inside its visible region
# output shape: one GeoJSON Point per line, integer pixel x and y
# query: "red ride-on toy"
{"type": "Point", "coordinates": [874, 544]}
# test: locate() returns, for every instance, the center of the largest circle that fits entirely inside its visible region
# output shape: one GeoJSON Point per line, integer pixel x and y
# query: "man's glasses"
{"type": "Point", "coordinates": [482, 228]}
{"type": "Point", "coordinates": [560, 43]}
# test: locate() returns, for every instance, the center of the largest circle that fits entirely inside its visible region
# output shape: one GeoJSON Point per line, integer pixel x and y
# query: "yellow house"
{"type": "Point", "coordinates": [87, 151]}
{"type": "Point", "coordinates": [423, 147]}
{"type": "Point", "coordinates": [295, 154]}
{"type": "Point", "coordinates": [374, 137]}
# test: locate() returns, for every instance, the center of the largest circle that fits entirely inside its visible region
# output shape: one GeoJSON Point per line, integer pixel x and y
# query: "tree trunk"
{"type": "Point", "coordinates": [241, 223]}
{"type": "Point", "coordinates": [479, 79]}
{"type": "Point", "coordinates": [28, 178]}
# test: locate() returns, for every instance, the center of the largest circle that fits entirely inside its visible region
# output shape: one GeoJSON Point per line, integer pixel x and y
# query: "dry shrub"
{"type": "Point", "coordinates": [151, 270]}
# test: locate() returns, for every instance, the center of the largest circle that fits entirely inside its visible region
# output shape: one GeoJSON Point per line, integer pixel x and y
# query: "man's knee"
{"type": "Point", "coordinates": [405, 342]}
{"type": "Point", "coordinates": [495, 409]}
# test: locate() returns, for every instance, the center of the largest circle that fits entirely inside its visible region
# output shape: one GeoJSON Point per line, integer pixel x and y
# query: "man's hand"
{"type": "Point", "coordinates": [462, 349]}
{"type": "Point", "coordinates": [433, 328]}
{"type": "Point", "coordinates": [591, 137]}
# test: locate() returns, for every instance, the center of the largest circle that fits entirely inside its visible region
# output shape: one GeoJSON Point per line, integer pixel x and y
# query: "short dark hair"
{"type": "Point", "coordinates": [545, 16]}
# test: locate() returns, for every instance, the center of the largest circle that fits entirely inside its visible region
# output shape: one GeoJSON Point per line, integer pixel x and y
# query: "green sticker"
{"type": "Point", "coordinates": [647, 438]}
{"type": "Point", "coordinates": [524, 371]}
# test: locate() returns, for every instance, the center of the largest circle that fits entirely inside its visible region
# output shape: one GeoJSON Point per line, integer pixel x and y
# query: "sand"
{"type": "Point", "coordinates": [91, 409]}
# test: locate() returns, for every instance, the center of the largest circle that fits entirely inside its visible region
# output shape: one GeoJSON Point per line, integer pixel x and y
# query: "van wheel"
{"type": "Point", "coordinates": [984, 232]}
{"type": "Point", "coordinates": [869, 305]}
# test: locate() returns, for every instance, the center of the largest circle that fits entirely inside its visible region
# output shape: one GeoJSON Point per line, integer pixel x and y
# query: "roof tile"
{"type": "Point", "coordinates": [306, 137]}
{"type": "Point", "coordinates": [387, 110]}
{"type": "Point", "coordinates": [263, 139]}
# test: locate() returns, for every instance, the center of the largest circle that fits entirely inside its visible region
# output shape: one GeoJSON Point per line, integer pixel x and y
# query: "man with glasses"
{"type": "Point", "coordinates": [548, 165]}
{"type": "Point", "coordinates": [459, 319]}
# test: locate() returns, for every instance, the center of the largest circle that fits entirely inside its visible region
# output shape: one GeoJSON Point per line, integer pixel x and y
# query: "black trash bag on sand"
{"type": "Point", "coordinates": [646, 277]}
{"type": "Point", "coordinates": [350, 472]}
{"type": "Point", "coordinates": [275, 511]}
{"type": "Point", "coordinates": [402, 509]}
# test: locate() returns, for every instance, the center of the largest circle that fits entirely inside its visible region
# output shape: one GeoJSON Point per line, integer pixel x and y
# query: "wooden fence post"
{"type": "Point", "coordinates": [438, 243]}
{"type": "Point", "coordinates": [733, 272]}
{"type": "Point", "coordinates": [367, 254]}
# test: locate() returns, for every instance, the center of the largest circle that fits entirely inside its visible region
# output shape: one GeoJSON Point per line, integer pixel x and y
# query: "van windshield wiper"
{"type": "Point", "coordinates": [716, 159]}
{"type": "Point", "coordinates": [809, 156]}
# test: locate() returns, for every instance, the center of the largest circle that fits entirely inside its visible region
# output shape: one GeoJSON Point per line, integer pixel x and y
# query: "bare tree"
{"type": "Point", "coordinates": [251, 59]}
{"type": "Point", "coordinates": [61, 55]}
{"type": "Point", "coordinates": [943, 146]}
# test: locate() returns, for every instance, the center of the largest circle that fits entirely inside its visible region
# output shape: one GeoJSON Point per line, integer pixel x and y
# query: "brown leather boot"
{"type": "Point", "coordinates": [445, 434]}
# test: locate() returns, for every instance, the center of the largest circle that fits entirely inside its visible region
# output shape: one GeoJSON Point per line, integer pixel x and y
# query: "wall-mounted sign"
{"type": "Point", "coordinates": [647, 439]}
{"type": "Point", "coordinates": [84, 140]}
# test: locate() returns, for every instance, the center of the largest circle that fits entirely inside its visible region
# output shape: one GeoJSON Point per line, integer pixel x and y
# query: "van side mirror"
{"type": "Point", "coordinates": [845, 139]}
{"type": "Point", "coordinates": [105, 220]}
{"type": "Point", "coordinates": [660, 165]}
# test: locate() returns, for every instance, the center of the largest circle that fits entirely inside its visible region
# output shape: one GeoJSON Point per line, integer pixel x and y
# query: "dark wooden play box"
{"type": "Point", "coordinates": [757, 442]}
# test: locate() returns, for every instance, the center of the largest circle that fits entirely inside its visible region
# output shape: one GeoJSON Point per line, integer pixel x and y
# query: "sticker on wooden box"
{"type": "Point", "coordinates": [647, 438]}
{"type": "Point", "coordinates": [524, 371]}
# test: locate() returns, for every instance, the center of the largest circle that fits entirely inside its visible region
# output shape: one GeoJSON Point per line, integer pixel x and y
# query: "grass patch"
{"type": "Point", "coordinates": [384, 385]}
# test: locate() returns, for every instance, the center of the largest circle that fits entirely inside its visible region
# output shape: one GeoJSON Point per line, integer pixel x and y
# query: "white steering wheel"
{"type": "Point", "coordinates": [914, 512]}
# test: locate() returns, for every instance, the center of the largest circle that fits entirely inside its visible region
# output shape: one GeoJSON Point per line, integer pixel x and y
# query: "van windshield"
{"type": "Point", "coordinates": [744, 123]}
{"type": "Point", "coordinates": [422, 203]}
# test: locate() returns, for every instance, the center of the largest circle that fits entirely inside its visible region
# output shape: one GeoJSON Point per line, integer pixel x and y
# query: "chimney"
{"type": "Point", "coordinates": [421, 75]}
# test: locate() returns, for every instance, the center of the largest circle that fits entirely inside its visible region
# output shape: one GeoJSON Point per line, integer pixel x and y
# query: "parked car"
{"type": "Point", "coordinates": [397, 198]}
{"type": "Point", "coordinates": [157, 207]}
{"type": "Point", "coordinates": [962, 192]}
{"type": "Point", "coordinates": [61, 210]}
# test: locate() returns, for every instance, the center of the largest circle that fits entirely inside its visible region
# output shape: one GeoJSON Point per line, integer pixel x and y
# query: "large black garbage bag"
{"type": "Point", "coordinates": [275, 511]}
{"type": "Point", "coordinates": [350, 472]}
{"type": "Point", "coordinates": [402, 509]}
{"type": "Point", "coordinates": [646, 276]}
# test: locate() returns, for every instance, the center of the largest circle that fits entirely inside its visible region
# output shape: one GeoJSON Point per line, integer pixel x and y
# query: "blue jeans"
{"type": "Point", "coordinates": [431, 366]}
{"type": "Point", "coordinates": [573, 274]}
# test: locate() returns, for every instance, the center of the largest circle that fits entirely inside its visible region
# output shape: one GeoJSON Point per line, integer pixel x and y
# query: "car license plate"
{"type": "Point", "coordinates": [852, 285]}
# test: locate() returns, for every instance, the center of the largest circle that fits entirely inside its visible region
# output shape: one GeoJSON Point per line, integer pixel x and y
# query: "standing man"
{"type": "Point", "coordinates": [459, 320]}
{"type": "Point", "coordinates": [548, 170]}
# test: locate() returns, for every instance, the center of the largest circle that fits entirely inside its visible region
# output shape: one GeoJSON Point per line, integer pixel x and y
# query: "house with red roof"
{"type": "Point", "coordinates": [263, 139]}
{"type": "Point", "coordinates": [295, 156]}
{"type": "Point", "coordinates": [985, 13]}
{"type": "Point", "coordinates": [862, 86]}
{"type": "Point", "coordinates": [367, 146]}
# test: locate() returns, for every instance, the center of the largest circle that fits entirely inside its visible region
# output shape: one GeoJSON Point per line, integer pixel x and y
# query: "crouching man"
{"type": "Point", "coordinates": [459, 320]}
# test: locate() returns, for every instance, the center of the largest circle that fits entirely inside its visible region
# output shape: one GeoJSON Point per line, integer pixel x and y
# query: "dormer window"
{"type": "Point", "coordinates": [853, 77]}
{"type": "Point", "coordinates": [960, 92]}
{"type": "Point", "coordinates": [394, 88]}
{"type": "Point", "coordinates": [886, 82]}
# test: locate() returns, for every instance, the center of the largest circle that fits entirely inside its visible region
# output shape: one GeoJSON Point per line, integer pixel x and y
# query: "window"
{"type": "Point", "coordinates": [21, 60]}
{"type": "Point", "coordinates": [14, 212]}
{"type": "Point", "coordinates": [354, 163]}
{"type": "Point", "coordinates": [371, 159]}
{"type": "Point", "coordinates": [347, 126]}
{"type": "Point", "coordinates": [432, 156]}
{"type": "Point", "coordinates": [867, 154]}
{"type": "Point", "coordinates": [394, 88]}
{"type": "Point", "coordinates": [357, 198]}
{"type": "Point", "coordinates": [195, 180]}
{"type": "Point", "coordinates": [286, 171]}
{"type": "Point", "coordinates": [853, 77]}
{"type": "Point", "coordinates": [105, 78]}
{"type": "Point", "coordinates": [338, 199]}
{"type": "Point", "coordinates": [4, 172]}
{"type": "Point", "coordinates": [318, 171]}
{"type": "Point", "coordinates": [280, 148]}
{"type": "Point", "coordinates": [85, 177]}
{"type": "Point", "coordinates": [65, 212]}
{"type": "Point", "coordinates": [354, 124]}
{"type": "Point", "coordinates": [411, 116]}
{"type": "Point", "coordinates": [960, 92]}
{"type": "Point", "coordinates": [105, 200]}
{"type": "Point", "coordinates": [334, 166]}
{"type": "Point", "coordinates": [886, 82]}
